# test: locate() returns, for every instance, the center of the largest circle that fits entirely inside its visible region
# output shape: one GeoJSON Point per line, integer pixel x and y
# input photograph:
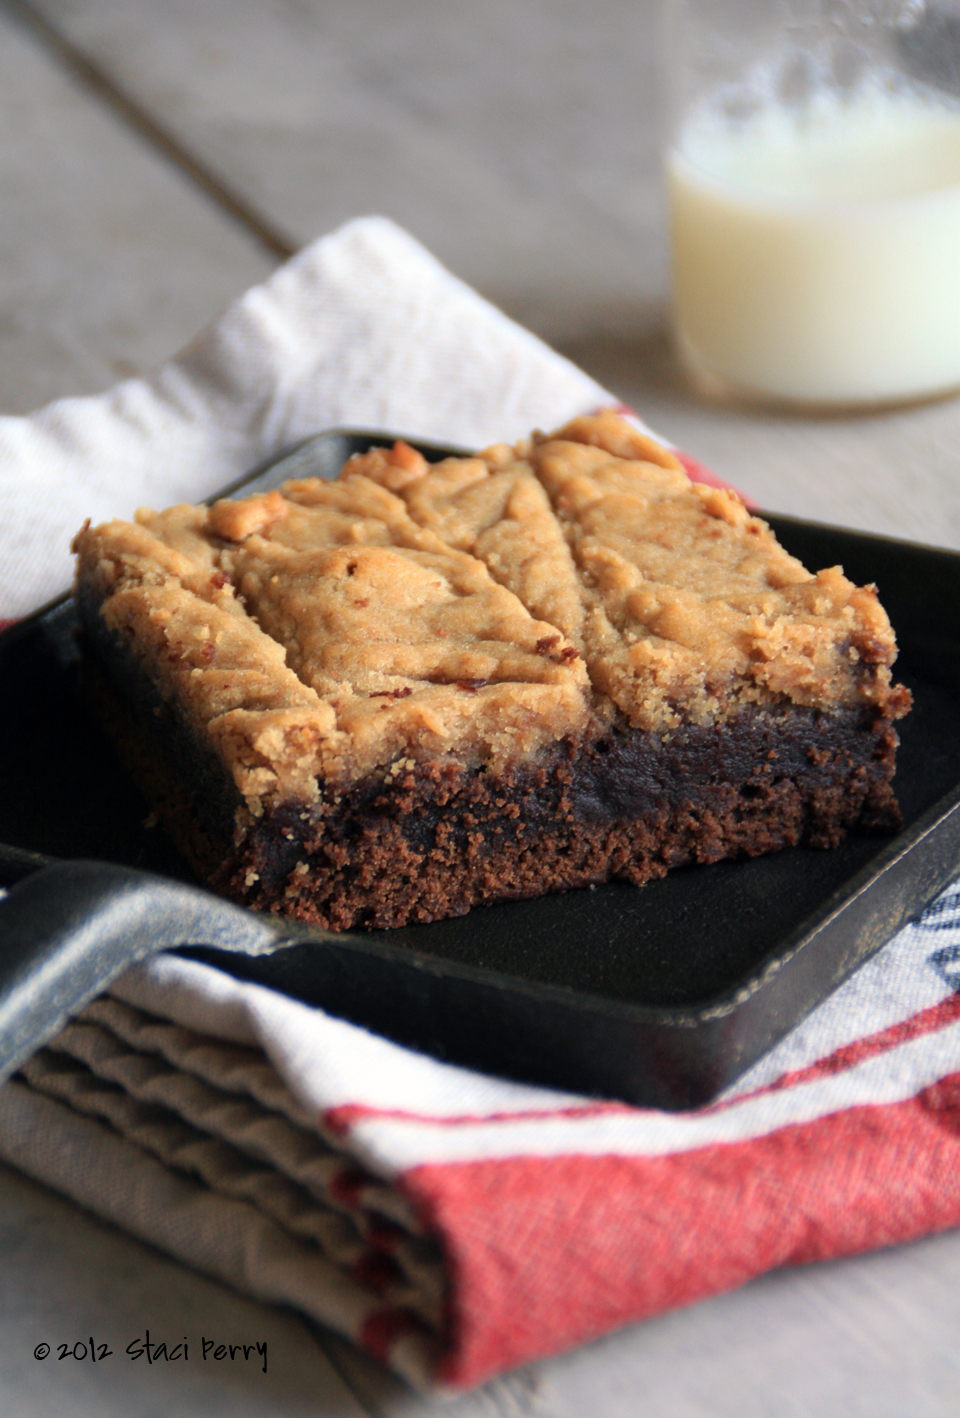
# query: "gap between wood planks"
{"type": "Point", "coordinates": [272, 238]}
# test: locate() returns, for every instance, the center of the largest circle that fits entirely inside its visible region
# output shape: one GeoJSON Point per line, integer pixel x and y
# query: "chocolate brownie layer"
{"type": "Point", "coordinates": [441, 837]}
{"type": "Point", "coordinates": [627, 807]}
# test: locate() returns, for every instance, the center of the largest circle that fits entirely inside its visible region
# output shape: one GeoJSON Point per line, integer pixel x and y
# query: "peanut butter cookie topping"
{"type": "Point", "coordinates": [478, 608]}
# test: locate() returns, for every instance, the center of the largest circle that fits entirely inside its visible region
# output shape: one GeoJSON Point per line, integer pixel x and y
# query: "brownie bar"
{"type": "Point", "coordinates": [396, 696]}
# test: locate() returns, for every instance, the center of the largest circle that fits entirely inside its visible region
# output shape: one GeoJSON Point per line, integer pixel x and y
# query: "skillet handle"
{"type": "Point", "coordinates": [68, 929]}
{"type": "Point", "coordinates": [16, 863]}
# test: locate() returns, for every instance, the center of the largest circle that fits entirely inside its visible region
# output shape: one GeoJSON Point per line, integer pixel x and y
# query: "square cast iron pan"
{"type": "Point", "coordinates": [660, 997]}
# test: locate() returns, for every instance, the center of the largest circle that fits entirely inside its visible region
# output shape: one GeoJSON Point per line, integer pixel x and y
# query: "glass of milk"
{"type": "Point", "coordinates": [813, 167]}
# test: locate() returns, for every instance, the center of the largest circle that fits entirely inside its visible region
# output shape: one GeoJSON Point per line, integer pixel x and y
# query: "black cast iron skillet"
{"type": "Point", "coordinates": [661, 996]}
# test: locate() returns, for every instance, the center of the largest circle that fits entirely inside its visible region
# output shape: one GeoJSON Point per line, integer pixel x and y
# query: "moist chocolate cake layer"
{"type": "Point", "coordinates": [627, 807]}
{"type": "Point", "coordinates": [442, 837]}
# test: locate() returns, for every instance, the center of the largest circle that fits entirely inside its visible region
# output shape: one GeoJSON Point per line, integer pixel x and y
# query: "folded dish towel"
{"type": "Point", "coordinates": [453, 1224]}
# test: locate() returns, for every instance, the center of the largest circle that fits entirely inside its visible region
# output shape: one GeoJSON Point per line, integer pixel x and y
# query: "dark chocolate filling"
{"type": "Point", "coordinates": [626, 806]}
{"type": "Point", "coordinates": [444, 837]}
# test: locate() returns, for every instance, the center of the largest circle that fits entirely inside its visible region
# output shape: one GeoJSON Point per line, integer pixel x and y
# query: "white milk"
{"type": "Point", "coordinates": [819, 260]}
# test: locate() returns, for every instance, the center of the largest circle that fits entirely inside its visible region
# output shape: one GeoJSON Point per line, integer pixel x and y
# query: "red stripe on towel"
{"type": "Point", "coordinates": [545, 1253]}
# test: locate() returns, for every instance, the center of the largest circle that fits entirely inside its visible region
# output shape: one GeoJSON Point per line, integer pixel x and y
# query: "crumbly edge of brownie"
{"type": "Point", "coordinates": [437, 838]}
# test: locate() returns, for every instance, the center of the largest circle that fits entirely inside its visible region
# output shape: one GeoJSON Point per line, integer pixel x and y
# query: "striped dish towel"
{"type": "Point", "coordinates": [456, 1225]}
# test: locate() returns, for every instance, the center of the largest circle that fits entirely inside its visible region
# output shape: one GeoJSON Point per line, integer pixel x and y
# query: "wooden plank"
{"type": "Point", "coordinates": [511, 139]}
{"type": "Point", "coordinates": [519, 142]}
{"type": "Point", "coordinates": [109, 259]}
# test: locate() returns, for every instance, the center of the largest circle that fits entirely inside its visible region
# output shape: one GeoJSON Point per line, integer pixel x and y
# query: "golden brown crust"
{"type": "Point", "coordinates": [481, 608]}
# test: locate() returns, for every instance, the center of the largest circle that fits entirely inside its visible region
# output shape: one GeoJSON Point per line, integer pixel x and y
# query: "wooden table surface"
{"type": "Point", "coordinates": [159, 156]}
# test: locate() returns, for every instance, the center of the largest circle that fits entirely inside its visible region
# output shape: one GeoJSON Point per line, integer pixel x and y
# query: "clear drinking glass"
{"type": "Point", "coordinates": [813, 166]}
